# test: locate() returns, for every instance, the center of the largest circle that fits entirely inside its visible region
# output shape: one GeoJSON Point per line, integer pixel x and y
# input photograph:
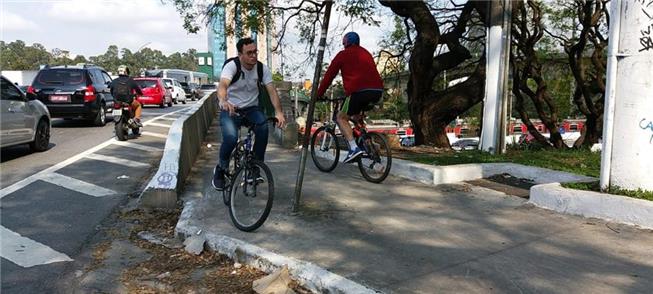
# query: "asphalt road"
{"type": "Point", "coordinates": [52, 202]}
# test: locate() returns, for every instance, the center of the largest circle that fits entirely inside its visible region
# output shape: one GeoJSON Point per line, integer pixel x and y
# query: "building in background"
{"type": "Point", "coordinates": [222, 47]}
{"type": "Point", "coordinates": [205, 63]}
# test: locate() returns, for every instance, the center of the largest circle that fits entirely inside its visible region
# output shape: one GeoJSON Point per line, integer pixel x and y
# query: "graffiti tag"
{"type": "Point", "coordinates": [646, 40]}
{"type": "Point", "coordinates": [166, 178]}
{"type": "Point", "coordinates": [644, 125]}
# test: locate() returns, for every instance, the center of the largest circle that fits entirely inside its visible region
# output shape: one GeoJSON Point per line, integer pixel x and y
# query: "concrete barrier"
{"type": "Point", "coordinates": [182, 146]}
{"type": "Point", "coordinates": [593, 204]}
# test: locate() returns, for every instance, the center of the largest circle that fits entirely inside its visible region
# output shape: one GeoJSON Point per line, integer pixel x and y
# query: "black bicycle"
{"type": "Point", "coordinates": [376, 160]}
{"type": "Point", "coordinates": [249, 186]}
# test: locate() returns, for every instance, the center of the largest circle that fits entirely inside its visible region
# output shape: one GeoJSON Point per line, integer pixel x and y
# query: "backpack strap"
{"type": "Point", "coordinates": [239, 71]}
{"type": "Point", "coordinates": [259, 70]}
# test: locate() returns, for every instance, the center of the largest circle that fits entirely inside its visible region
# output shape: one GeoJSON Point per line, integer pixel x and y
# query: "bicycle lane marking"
{"type": "Point", "coordinates": [21, 184]}
{"type": "Point", "coordinates": [26, 252]}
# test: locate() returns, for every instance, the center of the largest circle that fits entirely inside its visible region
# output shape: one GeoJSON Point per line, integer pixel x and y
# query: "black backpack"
{"type": "Point", "coordinates": [121, 90]}
{"type": "Point", "coordinates": [239, 71]}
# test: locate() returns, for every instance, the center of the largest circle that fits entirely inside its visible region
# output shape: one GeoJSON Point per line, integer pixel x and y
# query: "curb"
{"type": "Point", "coordinates": [307, 274]}
{"type": "Point", "coordinates": [593, 204]}
{"type": "Point", "coordinates": [181, 148]}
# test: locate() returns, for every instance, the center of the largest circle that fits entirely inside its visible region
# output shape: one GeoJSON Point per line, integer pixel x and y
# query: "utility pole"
{"type": "Point", "coordinates": [497, 63]}
{"type": "Point", "coordinates": [627, 157]}
{"type": "Point", "coordinates": [311, 106]}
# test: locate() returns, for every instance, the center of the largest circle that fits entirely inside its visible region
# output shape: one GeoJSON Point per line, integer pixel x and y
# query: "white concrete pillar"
{"type": "Point", "coordinates": [627, 159]}
{"type": "Point", "coordinates": [497, 50]}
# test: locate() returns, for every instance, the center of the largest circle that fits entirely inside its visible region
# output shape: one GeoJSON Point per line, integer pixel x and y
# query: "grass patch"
{"type": "Point", "coordinates": [594, 186]}
{"type": "Point", "coordinates": [583, 162]}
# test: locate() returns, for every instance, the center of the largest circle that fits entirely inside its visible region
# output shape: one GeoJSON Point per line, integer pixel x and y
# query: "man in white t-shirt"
{"type": "Point", "coordinates": [239, 101]}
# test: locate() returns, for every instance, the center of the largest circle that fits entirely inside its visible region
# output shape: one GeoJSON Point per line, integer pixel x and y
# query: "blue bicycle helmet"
{"type": "Point", "coordinates": [351, 38]}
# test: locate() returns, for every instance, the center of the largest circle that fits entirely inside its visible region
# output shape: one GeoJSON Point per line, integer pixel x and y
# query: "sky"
{"type": "Point", "coordinates": [89, 27]}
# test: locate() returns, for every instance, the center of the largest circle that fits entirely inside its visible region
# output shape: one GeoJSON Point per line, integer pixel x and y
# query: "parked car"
{"type": "Point", "coordinates": [195, 89]}
{"type": "Point", "coordinates": [177, 92]}
{"type": "Point", "coordinates": [80, 91]}
{"type": "Point", "coordinates": [187, 90]}
{"type": "Point", "coordinates": [465, 144]}
{"type": "Point", "coordinates": [407, 140]}
{"type": "Point", "coordinates": [207, 89]}
{"type": "Point", "coordinates": [154, 92]}
{"type": "Point", "coordinates": [25, 120]}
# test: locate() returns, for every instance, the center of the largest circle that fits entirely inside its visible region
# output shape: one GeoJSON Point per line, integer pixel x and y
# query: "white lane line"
{"type": "Point", "coordinates": [137, 146]}
{"type": "Point", "coordinates": [151, 134]}
{"type": "Point", "coordinates": [116, 160]}
{"type": "Point", "coordinates": [169, 118]}
{"type": "Point", "coordinates": [77, 185]}
{"type": "Point", "coordinates": [26, 252]}
{"type": "Point", "coordinates": [26, 181]}
{"type": "Point", "coordinates": [19, 185]}
{"type": "Point", "coordinates": [157, 125]}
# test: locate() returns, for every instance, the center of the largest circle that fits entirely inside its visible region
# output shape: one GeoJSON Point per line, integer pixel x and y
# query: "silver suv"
{"type": "Point", "coordinates": [23, 120]}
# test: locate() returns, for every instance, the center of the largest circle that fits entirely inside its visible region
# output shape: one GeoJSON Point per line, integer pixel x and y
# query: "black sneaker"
{"type": "Point", "coordinates": [218, 178]}
{"type": "Point", "coordinates": [255, 174]}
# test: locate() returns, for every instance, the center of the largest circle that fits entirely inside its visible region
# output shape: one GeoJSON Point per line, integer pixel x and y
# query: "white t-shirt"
{"type": "Point", "coordinates": [244, 92]}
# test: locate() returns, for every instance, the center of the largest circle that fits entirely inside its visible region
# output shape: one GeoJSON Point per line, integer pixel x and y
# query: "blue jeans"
{"type": "Point", "coordinates": [230, 126]}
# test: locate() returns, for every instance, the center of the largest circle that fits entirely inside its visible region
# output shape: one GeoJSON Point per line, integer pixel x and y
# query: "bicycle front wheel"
{"type": "Point", "coordinates": [376, 162]}
{"type": "Point", "coordinates": [235, 161]}
{"type": "Point", "coordinates": [324, 149]}
{"type": "Point", "coordinates": [252, 192]}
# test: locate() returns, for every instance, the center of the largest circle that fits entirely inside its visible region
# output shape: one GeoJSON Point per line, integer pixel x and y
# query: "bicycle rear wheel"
{"type": "Point", "coordinates": [324, 149]}
{"type": "Point", "coordinates": [376, 162]}
{"type": "Point", "coordinates": [252, 193]}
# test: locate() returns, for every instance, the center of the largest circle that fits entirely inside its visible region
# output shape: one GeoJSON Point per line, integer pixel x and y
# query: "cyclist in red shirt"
{"type": "Point", "coordinates": [362, 83]}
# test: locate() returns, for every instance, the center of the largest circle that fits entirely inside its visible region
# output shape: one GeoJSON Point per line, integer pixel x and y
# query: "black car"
{"type": "Point", "coordinates": [80, 91]}
{"type": "Point", "coordinates": [206, 89]}
{"type": "Point", "coordinates": [195, 89]}
{"type": "Point", "coordinates": [187, 89]}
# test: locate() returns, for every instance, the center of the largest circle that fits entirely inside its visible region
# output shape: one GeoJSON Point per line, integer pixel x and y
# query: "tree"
{"type": "Point", "coordinates": [587, 21]}
{"type": "Point", "coordinates": [528, 81]}
{"type": "Point", "coordinates": [17, 56]}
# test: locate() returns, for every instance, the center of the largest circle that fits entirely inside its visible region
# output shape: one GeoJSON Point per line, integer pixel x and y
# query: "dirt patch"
{"type": "Point", "coordinates": [506, 183]}
{"type": "Point", "coordinates": [166, 269]}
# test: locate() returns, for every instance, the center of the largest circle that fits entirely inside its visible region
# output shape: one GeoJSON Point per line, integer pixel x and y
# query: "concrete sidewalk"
{"type": "Point", "coordinates": [406, 237]}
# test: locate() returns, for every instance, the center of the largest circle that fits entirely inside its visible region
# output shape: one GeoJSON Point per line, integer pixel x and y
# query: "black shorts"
{"type": "Point", "coordinates": [361, 101]}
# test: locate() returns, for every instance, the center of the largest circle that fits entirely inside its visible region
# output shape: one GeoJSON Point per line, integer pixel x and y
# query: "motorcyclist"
{"type": "Point", "coordinates": [123, 89]}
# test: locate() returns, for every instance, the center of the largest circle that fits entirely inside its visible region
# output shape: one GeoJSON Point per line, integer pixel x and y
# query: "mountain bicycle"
{"type": "Point", "coordinates": [374, 164]}
{"type": "Point", "coordinates": [249, 186]}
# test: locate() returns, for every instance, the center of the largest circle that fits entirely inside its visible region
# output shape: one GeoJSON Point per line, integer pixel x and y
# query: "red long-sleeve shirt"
{"type": "Point", "coordinates": [357, 68]}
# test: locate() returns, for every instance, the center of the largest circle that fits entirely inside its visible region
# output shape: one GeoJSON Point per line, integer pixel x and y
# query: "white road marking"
{"type": "Point", "coordinates": [26, 252]}
{"type": "Point", "coordinates": [77, 185]}
{"type": "Point", "coordinates": [151, 134]}
{"type": "Point", "coordinates": [169, 118]}
{"type": "Point", "coordinates": [19, 185]}
{"type": "Point", "coordinates": [137, 146]}
{"type": "Point", "coordinates": [26, 181]}
{"type": "Point", "coordinates": [117, 160]}
{"type": "Point", "coordinates": [157, 125]}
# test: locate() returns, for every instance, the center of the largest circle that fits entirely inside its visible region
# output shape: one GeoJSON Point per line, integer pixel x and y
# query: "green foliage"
{"type": "Point", "coordinates": [596, 187]}
{"type": "Point", "coordinates": [17, 56]}
{"type": "Point", "coordinates": [579, 161]}
{"type": "Point", "coordinates": [277, 77]}
{"type": "Point", "coordinates": [394, 108]}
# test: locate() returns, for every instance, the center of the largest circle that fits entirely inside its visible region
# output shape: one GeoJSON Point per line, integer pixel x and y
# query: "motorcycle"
{"type": "Point", "coordinates": [123, 116]}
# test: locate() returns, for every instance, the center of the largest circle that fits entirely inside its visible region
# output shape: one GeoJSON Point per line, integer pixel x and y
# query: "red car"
{"type": "Point", "coordinates": [154, 92]}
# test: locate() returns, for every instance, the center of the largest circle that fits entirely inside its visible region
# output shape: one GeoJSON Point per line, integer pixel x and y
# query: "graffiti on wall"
{"type": "Point", "coordinates": [647, 125]}
{"type": "Point", "coordinates": [646, 38]}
